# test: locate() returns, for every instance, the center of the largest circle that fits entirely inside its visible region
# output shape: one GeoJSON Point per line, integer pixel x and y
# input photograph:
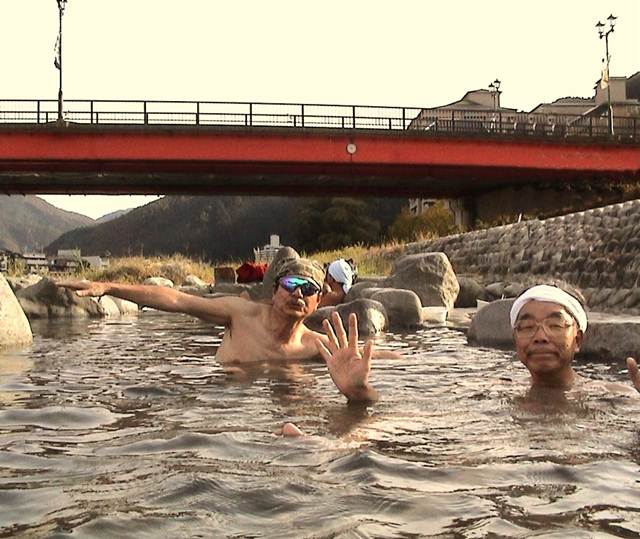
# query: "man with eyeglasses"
{"type": "Point", "coordinates": [548, 328]}
{"type": "Point", "coordinates": [256, 331]}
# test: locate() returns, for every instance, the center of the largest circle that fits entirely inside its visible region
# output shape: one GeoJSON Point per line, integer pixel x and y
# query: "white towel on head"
{"type": "Point", "coordinates": [552, 294]}
{"type": "Point", "coordinates": [341, 271]}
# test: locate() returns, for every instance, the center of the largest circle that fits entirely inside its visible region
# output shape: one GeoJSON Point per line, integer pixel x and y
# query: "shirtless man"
{"type": "Point", "coordinates": [548, 328]}
{"type": "Point", "coordinates": [339, 280]}
{"type": "Point", "coordinates": [266, 331]}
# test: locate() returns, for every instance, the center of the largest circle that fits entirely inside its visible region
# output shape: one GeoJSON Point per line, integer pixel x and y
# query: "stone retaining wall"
{"type": "Point", "coordinates": [596, 250]}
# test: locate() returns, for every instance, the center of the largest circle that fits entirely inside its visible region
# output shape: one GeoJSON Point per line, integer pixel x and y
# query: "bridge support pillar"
{"type": "Point", "coordinates": [463, 210]}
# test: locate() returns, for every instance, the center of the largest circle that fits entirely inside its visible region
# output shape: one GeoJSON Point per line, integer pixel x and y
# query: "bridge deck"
{"type": "Point", "coordinates": [148, 159]}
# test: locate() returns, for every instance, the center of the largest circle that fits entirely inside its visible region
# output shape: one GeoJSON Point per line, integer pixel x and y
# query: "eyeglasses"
{"type": "Point", "coordinates": [291, 283]}
{"type": "Point", "coordinates": [553, 327]}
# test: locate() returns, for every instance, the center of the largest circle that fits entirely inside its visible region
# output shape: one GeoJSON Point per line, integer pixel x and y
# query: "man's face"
{"type": "Point", "coordinates": [292, 300]}
{"type": "Point", "coordinates": [549, 350]}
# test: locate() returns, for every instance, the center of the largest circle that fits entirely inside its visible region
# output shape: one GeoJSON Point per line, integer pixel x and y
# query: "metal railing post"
{"type": "Point", "coordinates": [250, 113]}
{"type": "Point", "coordinates": [453, 120]}
{"type": "Point", "coordinates": [91, 110]}
{"type": "Point", "coordinates": [144, 108]}
{"type": "Point", "coordinates": [197, 112]}
{"type": "Point", "coordinates": [353, 117]}
{"type": "Point", "coordinates": [302, 114]}
{"type": "Point", "coordinates": [404, 119]}
{"type": "Point", "coordinates": [38, 110]}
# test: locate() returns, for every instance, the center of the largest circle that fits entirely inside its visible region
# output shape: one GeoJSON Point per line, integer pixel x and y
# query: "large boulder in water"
{"type": "Point", "coordinates": [46, 300]}
{"type": "Point", "coordinates": [490, 325]}
{"type": "Point", "coordinates": [372, 318]}
{"type": "Point", "coordinates": [429, 275]}
{"type": "Point", "coordinates": [14, 326]}
{"type": "Point", "coordinates": [24, 281]}
{"type": "Point", "coordinates": [611, 337]}
{"type": "Point", "coordinates": [403, 307]}
{"type": "Point", "coordinates": [470, 292]}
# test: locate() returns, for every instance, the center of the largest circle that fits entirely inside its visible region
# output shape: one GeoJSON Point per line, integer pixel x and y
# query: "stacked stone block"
{"type": "Point", "coordinates": [597, 251]}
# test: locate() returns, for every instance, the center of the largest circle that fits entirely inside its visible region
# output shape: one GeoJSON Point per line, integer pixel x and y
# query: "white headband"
{"type": "Point", "coordinates": [341, 271]}
{"type": "Point", "coordinates": [553, 294]}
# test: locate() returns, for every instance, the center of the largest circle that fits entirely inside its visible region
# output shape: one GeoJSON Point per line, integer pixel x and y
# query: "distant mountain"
{"type": "Point", "coordinates": [111, 216]}
{"type": "Point", "coordinates": [30, 223]}
{"type": "Point", "coordinates": [212, 228]}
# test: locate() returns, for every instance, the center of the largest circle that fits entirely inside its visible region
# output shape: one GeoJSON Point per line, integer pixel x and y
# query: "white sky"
{"type": "Point", "coordinates": [366, 52]}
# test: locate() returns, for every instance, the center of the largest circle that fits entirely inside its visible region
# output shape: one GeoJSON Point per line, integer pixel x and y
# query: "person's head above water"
{"type": "Point", "coordinates": [301, 267]}
{"type": "Point", "coordinates": [548, 327]}
{"type": "Point", "coordinates": [343, 273]}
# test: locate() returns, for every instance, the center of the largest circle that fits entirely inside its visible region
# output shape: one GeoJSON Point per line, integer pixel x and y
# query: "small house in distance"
{"type": "Point", "coordinates": [8, 259]}
{"type": "Point", "coordinates": [67, 260]}
{"type": "Point", "coordinates": [35, 262]}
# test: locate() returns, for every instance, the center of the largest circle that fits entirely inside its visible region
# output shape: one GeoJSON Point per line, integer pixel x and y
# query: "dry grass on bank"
{"type": "Point", "coordinates": [137, 269]}
{"type": "Point", "coordinates": [373, 260]}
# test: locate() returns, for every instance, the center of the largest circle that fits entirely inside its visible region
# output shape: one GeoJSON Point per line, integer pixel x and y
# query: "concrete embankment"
{"type": "Point", "coordinates": [597, 251]}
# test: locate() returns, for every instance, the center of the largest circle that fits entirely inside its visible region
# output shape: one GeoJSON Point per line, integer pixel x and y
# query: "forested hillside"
{"type": "Point", "coordinates": [29, 223]}
{"type": "Point", "coordinates": [221, 228]}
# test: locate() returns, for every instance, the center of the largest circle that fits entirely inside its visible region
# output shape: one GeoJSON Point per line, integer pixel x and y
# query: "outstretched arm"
{"type": "Point", "coordinates": [348, 366]}
{"type": "Point", "coordinates": [216, 310]}
{"type": "Point", "coordinates": [634, 374]}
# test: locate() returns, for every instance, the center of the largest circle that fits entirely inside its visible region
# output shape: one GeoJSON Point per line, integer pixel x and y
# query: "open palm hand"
{"type": "Point", "coordinates": [348, 366]}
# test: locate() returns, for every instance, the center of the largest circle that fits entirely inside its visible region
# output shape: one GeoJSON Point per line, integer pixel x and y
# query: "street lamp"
{"type": "Point", "coordinates": [605, 74]}
{"type": "Point", "coordinates": [58, 59]}
{"type": "Point", "coordinates": [494, 88]}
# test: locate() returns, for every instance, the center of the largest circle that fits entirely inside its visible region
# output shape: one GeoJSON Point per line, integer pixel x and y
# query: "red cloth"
{"type": "Point", "coordinates": [251, 272]}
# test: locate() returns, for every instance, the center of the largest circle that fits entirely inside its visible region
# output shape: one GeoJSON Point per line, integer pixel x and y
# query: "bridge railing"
{"type": "Point", "coordinates": [208, 113]}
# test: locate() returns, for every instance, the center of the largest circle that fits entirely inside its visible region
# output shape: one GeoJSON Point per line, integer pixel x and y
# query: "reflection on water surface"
{"type": "Point", "coordinates": [129, 428]}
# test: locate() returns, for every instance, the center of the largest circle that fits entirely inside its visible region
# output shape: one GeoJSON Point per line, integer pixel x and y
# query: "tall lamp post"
{"type": "Point", "coordinates": [605, 75]}
{"type": "Point", "coordinates": [494, 88]}
{"type": "Point", "coordinates": [58, 59]}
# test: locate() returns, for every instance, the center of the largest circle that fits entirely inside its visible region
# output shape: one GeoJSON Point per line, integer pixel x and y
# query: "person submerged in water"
{"type": "Point", "coordinates": [548, 327]}
{"type": "Point", "coordinates": [341, 276]}
{"type": "Point", "coordinates": [256, 331]}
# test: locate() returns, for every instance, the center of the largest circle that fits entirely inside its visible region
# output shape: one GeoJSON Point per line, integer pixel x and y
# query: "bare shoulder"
{"type": "Point", "coordinates": [312, 336]}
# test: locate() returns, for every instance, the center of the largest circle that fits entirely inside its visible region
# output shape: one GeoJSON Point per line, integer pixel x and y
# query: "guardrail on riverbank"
{"type": "Point", "coordinates": [292, 115]}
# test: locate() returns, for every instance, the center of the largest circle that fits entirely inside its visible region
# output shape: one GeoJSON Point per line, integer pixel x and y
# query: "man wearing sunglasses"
{"type": "Point", "coordinates": [257, 331]}
{"type": "Point", "coordinates": [548, 328]}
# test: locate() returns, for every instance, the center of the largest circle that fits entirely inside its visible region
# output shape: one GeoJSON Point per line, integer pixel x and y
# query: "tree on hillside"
{"type": "Point", "coordinates": [435, 221]}
{"type": "Point", "coordinates": [332, 223]}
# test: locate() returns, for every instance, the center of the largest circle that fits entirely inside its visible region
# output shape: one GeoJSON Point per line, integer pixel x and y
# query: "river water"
{"type": "Point", "coordinates": [129, 428]}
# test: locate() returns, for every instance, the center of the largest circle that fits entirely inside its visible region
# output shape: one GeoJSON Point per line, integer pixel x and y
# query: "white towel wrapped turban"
{"type": "Point", "coordinates": [342, 272]}
{"type": "Point", "coordinates": [552, 294]}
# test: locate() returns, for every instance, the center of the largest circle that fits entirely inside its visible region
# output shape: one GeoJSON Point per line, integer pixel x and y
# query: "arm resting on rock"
{"type": "Point", "coordinates": [216, 310]}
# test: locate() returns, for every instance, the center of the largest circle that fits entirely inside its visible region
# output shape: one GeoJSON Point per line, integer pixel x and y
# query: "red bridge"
{"type": "Point", "coordinates": [298, 150]}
